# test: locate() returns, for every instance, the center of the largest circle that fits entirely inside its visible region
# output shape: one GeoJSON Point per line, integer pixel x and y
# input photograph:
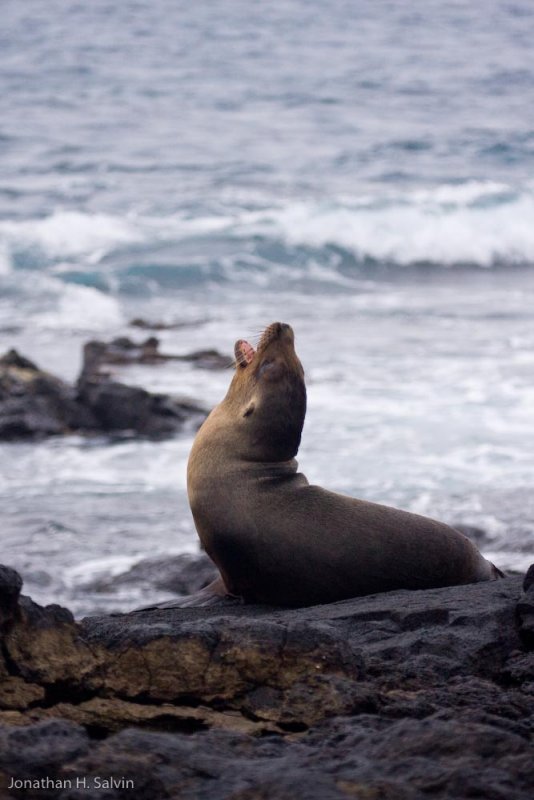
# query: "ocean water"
{"type": "Point", "coordinates": [364, 171]}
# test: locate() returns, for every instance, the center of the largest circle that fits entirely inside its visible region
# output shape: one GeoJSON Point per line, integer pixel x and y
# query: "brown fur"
{"type": "Point", "coordinates": [275, 538]}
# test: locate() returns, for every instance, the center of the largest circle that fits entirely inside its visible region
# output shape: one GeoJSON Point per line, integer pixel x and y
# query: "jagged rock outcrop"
{"type": "Point", "coordinates": [397, 695]}
{"type": "Point", "coordinates": [160, 325]}
{"type": "Point", "coordinates": [124, 351]}
{"type": "Point", "coordinates": [35, 404]}
{"type": "Point", "coordinates": [525, 609]}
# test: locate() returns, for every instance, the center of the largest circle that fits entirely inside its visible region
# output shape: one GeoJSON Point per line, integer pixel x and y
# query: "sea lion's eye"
{"type": "Point", "coordinates": [266, 364]}
{"type": "Point", "coordinates": [248, 410]}
{"type": "Point", "coordinates": [271, 369]}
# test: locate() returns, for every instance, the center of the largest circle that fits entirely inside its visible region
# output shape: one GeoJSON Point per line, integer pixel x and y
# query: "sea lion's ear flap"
{"type": "Point", "coordinates": [244, 353]}
{"type": "Point", "coordinates": [249, 409]}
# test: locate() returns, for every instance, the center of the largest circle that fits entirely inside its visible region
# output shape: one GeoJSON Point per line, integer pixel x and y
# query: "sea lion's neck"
{"type": "Point", "coordinates": [217, 456]}
{"type": "Point", "coordinates": [270, 469]}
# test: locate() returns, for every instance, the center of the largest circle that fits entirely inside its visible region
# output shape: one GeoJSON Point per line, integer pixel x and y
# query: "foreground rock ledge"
{"type": "Point", "coordinates": [399, 695]}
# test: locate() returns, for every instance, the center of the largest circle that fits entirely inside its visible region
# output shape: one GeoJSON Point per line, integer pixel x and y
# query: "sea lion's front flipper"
{"type": "Point", "coordinates": [497, 574]}
{"type": "Point", "coordinates": [212, 594]}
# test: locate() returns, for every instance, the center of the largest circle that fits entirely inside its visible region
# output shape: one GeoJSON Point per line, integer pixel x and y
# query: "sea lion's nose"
{"type": "Point", "coordinates": [287, 331]}
{"type": "Point", "coordinates": [280, 328]}
{"type": "Point", "coordinates": [276, 331]}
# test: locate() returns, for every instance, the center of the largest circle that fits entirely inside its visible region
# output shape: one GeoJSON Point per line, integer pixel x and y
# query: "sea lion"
{"type": "Point", "coordinates": [277, 539]}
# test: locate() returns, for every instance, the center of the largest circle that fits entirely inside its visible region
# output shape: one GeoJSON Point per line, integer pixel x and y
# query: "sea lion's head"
{"type": "Point", "coordinates": [267, 396]}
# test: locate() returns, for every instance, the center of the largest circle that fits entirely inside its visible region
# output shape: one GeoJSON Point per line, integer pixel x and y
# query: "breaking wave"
{"type": "Point", "coordinates": [478, 223]}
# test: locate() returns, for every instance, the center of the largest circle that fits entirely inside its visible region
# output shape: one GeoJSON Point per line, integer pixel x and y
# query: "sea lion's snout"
{"type": "Point", "coordinates": [276, 331]}
{"type": "Point", "coordinates": [276, 358]}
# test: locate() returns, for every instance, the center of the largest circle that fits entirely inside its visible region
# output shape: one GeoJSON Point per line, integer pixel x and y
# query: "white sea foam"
{"type": "Point", "coordinates": [475, 222]}
{"type": "Point", "coordinates": [451, 225]}
{"type": "Point", "coordinates": [461, 193]}
{"type": "Point", "coordinates": [71, 233]}
{"type": "Point", "coordinates": [81, 308]}
{"type": "Point", "coordinates": [90, 569]}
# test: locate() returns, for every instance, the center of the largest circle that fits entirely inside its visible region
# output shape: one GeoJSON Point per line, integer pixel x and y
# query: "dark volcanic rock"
{"type": "Point", "coordinates": [123, 350]}
{"type": "Point", "coordinates": [38, 751]}
{"type": "Point", "coordinates": [14, 359]}
{"type": "Point", "coordinates": [35, 404]}
{"type": "Point", "coordinates": [10, 586]}
{"type": "Point", "coordinates": [120, 351]}
{"type": "Point", "coordinates": [525, 609]}
{"type": "Point", "coordinates": [207, 359]}
{"type": "Point", "coordinates": [355, 757]}
{"type": "Point", "coordinates": [398, 695]}
{"type": "Point", "coordinates": [151, 325]}
{"type": "Point", "coordinates": [399, 639]}
{"type": "Point", "coordinates": [183, 574]}
{"type": "Point", "coordinates": [118, 407]}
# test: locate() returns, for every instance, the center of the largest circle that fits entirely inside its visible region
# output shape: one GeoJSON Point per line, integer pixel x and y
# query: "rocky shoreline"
{"type": "Point", "coordinates": [35, 404]}
{"type": "Point", "coordinates": [397, 695]}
